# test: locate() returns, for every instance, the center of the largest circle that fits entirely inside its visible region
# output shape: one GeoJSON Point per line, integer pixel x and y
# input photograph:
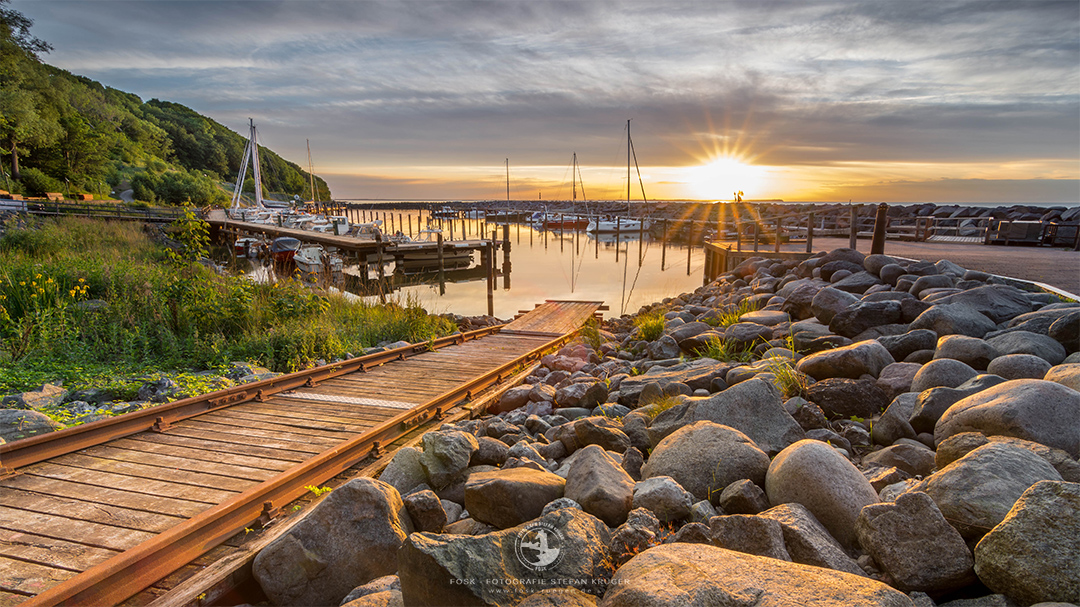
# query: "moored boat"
{"type": "Point", "coordinates": [283, 249]}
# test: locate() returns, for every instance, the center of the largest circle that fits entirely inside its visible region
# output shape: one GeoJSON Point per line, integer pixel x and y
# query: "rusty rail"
{"type": "Point", "coordinates": [45, 446]}
{"type": "Point", "coordinates": [122, 576]}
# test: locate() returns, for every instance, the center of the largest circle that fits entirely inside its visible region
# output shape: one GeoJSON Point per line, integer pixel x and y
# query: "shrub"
{"type": "Point", "coordinates": [650, 325]}
{"type": "Point", "coordinates": [37, 183]}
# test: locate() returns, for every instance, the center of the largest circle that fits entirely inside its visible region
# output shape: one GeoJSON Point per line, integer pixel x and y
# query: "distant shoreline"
{"type": "Point", "coordinates": [493, 202]}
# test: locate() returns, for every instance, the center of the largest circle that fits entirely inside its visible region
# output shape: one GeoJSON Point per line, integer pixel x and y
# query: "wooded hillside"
{"type": "Point", "coordinates": [61, 132]}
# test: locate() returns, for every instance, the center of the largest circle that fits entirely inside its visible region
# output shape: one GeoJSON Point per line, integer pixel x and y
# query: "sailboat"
{"type": "Point", "coordinates": [569, 221]}
{"type": "Point", "coordinates": [621, 224]}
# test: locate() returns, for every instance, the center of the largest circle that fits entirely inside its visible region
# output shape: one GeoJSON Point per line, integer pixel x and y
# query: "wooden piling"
{"type": "Point", "coordinates": [689, 246]}
{"type": "Point", "coordinates": [663, 246]}
{"type": "Point", "coordinates": [853, 232]}
{"type": "Point", "coordinates": [776, 244]}
{"type": "Point", "coordinates": [810, 233]}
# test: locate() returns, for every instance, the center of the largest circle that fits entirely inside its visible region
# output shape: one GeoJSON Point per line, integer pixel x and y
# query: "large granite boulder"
{"type": "Point", "coordinates": [861, 358]}
{"type": "Point", "coordinates": [915, 545]}
{"type": "Point", "coordinates": [600, 485]}
{"type": "Point", "coordinates": [682, 574]}
{"type": "Point", "coordinates": [749, 534]}
{"type": "Point", "coordinates": [16, 424]}
{"type": "Point", "coordinates": [704, 457]}
{"type": "Point", "coordinates": [930, 405]}
{"type": "Point", "coordinates": [445, 455]}
{"type": "Point", "coordinates": [1019, 366]}
{"type": "Point", "coordinates": [942, 372]}
{"type": "Point", "coordinates": [1025, 342]}
{"type": "Point", "coordinates": [565, 546]}
{"type": "Point", "coordinates": [508, 497]}
{"type": "Point", "coordinates": [954, 319]}
{"type": "Point", "coordinates": [807, 541]}
{"type": "Point", "coordinates": [349, 539]}
{"type": "Point", "coordinates": [695, 374]}
{"type": "Point", "coordinates": [864, 315]}
{"type": "Point", "coordinates": [753, 407]}
{"type": "Point", "coordinates": [828, 302]}
{"type": "Point", "coordinates": [815, 475]}
{"type": "Point", "coordinates": [664, 497]}
{"type": "Point", "coordinates": [1032, 554]}
{"type": "Point", "coordinates": [1032, 409]}
{"type": "Point", "coordinates": [1067, 374]}
{"type": "Point", "coordinates": [997, 302]}
{"type": "Point", "coordinates": [975, 492]}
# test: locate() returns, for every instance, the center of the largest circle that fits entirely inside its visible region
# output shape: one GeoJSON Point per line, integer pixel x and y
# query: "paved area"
{"type": "Point", "coordinates": [1054, 266]}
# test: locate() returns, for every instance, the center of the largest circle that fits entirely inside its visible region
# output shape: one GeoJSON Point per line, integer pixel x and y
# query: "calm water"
{"type": "Point", "coordinates": [547, 265]}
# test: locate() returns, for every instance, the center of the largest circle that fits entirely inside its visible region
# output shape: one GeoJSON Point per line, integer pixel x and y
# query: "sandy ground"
{"type": "Point", "coordinates": [1056, 267]}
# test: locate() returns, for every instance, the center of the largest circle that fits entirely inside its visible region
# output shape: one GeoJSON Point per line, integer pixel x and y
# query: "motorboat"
{"type": "Point", "coordinates": [617, 224]}
{"type": "Point", "coordinates": [249, 247]}
{"type": "Point", "coordinates": [558, 221]}
{"type": "Point", "coordinates": [313, 261]}
{"type": "Point", "coordinates": [282, 249]}
{"type": "Point", "coordinates": [452, 255]}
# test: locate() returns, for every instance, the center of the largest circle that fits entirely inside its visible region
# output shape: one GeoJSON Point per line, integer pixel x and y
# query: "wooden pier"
{"type": "Point", "coordinates": [155, 506]}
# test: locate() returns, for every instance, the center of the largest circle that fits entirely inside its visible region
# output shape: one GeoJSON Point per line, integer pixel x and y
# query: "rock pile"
{"type": "Point", "coordinates": [868, 431]}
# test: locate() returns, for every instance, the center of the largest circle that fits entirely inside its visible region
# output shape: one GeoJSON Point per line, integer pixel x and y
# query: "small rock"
{"type": "Point", "coordinates": [861, 358]}
{"type": "Point", "coordinates": [942, 372]}
{"type": "Point", "coordinates": [1019, 366]}
{"type": "Point", "coordinates": [743, 497]}
{"type": "Point", "coordinates": [45, 397]}
{"type": "Point", "coordinates": [664, 497]}
{"type": "Point", "coordinates": [974, 352]}
{"type": "Point", "coordinates": [954, 319]}
{"type": "Point", "coordinates": [426, 511]}
{"type": "Point", "coordinates": [445, 455]}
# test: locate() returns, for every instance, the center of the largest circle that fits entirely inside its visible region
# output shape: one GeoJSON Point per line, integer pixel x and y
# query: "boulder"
{"type": "Point", "coordinates": [505, 498]}
{"type": "Point", "coordinates": [808, 542]}
{"type": "Point", "coordinates": [895, 379]}
{"type": "Point", "coordinates": [902, 346]}
{"type": "Point", "coordinates": [16, 424]}
{"type": "Point", "coordinates": [753, 407]}
{"type": "Point", "coordinates": [942, 372]}
{"type": "Point", "coordinates": [1032, 409]}
{"type": "Point", "coordinates": [1067, 374]}
{"type": "Point", "coordinates": [1066, 330]}
{"type": "Point", "coordinates": [931, 404]}
{"type": "Point", "coordinates": [640, 531]}
{"type": "Point", "coordinates": [972, 351]}
{"type": "Point", "coordinates": [954, 319]}
{"type": "Point", "coordinates": [916, 460]}
{"type": "Point", "coordinates": [601, 431]}
{"type": "Point", "coordinates": [815, 475]}
{"type": "Point", "coordinates": [1019, 366]}
{"type": "Point", "coordinates": [859, 282]}
{"type": "Point", "coordinates": [1025, 342]}
{"type": "Point", "coordinates": [600, 485]}
{"type": "Point", "coordinates": [664, 497]}
{"type": "Point", "coordinates": [1032, 554]}
{"type": "Point", "coordinates": [515, 397]}
{"type": "Point", "coordinates": [844, 398]}
{"type": "Point", "coordinates": [743, 497]}
{"type": "Point", "coordinates": [975, 492]}
{"type": "Point", "coordinates": [864, 315]}
{"type": "Point", "coordinates": [959, 445]}
{"type": "Point", "coordinates": [380, 592]}
{"type": "Point", "coordinates": [997, 302]}
{"type": "Point", "coordinates": [445, 455]}
{"type": "Point", "coordinates": [693, 574]}
{"type": "Point", "coordinates": [894, 423]}
{"type": "Point", "coordinates": [438, 570]}
{"type": "Point", "coordinates": [745, 335]}
{"type": "Point", "coordinates": [853, 361]}
{"type": "Point", "coordinates": [829, 301]}
{"type": "Point", "coordinates": [348, 539]}
{"type": "Point", "coordinates": [704, 457]}
{"type": "Point", "coordinates": [426, 511]}
{"type": "Point", "coordinates": [915, 545]}
{"type": "Point", "coordinates": [749, 535]}
{"type": "Point", "coordinates": [663, 348]}
{"type": "Point", "coordinates": [489, 452]}
{"type": "Point", "coordinates": [45, 397]}
{"type": "Point", "coordinates": [695, 374]}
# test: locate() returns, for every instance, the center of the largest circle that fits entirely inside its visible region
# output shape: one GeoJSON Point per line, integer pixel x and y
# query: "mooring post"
{"type": "Point", "coordinates": [756, 239]}
{"type": "Point", "coordinates": [810, 233]}
{"type": "Point", "coordinates": [491, 274]}
{"type": "Point", "coordinates": [506, 241]}
{"type": "Point", "coordinates": [881, 221]}
{"type": "Point", "coordinates": [689, 246]}
{"type": "Point", "coordinates": [854, 228]}
{"type": "Point", "coordinates": [442, 266]}
{"type": "Point", "coordinates": [776, 245]}
{"type": "Point", "coordinates": [663, 246]}
{"type": "Point", "coordinates": [562, 232]}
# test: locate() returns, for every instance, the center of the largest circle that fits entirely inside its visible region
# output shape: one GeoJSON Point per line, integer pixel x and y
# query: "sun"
{"type": "Point", "coordinates": [719, 178]}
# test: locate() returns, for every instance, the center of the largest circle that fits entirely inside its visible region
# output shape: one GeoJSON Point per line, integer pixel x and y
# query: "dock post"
{"type": "Point", "coordinates": [877, 246]}
{"type": "Point", "coordinates": [663, 246]}
{"type": "Point", "coordinates": [689, 246]}
{"type": "Point", "coordinates": [506, 241]}
{"type": "Point", "coordinates": [756, 239]}
{"type": "Point", "coordinates": [491, 274]}
{"type": "Point", "coordinates": [853, 231]}
{"type": "Point", "coordinates": [776, 245]}
{"type": "Point", "coordinates": [562, 232]}
{"type": "Point", "coordinates": [442, 267]}
{"type": "Point", "coordinates": [379, 255]}
{"type": "Point", "coordinates": [810, 233]}
{"type": "Point", "coordinates": [451, 222]}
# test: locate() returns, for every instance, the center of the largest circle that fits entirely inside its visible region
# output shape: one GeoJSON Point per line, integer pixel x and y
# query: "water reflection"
{"type": "Point", "coordinates": [625, 271]}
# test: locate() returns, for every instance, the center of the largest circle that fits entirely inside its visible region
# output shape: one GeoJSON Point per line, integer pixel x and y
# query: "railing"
{"type": "Point", "coordinates": [102, 211]}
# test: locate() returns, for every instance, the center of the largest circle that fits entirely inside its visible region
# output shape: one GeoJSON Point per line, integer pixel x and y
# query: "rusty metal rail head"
{"type": "Point", "coordinates": [120, 577]}
{"type": "Point", "coordinates": [24, 452]}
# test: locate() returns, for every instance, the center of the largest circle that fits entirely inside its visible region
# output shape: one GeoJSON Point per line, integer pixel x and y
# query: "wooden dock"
{"type": "Point", "coordinates": [348, 244]}
{"type": "Point", "coordinates": [130, 508]}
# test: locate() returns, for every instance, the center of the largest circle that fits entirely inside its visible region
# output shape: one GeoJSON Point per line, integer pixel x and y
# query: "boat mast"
{"type": "Point", "coordinates": [255, 165]}
{"type": "Point", "coordinates": [627, 166]}
{"type": "Point", "coordinates": [311, 171]}
{"type": "Point", "coordinates": [508, 181]}
{"type": "Point", "coordinates": [573, 176]}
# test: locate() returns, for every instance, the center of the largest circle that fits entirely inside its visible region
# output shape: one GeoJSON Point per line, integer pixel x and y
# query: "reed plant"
{"type": "Point", "coordinates": [730, 314]}
{"type": "Point", "coordinates": [722, 350]}
{"type": "Point", "coordinates": [83, 299]}
{"type": "Point", "coordinates": [650, 325]}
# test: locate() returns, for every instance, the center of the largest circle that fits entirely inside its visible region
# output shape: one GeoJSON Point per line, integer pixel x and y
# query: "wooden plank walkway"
{"type": "Point", "coordinates": [64, 515]}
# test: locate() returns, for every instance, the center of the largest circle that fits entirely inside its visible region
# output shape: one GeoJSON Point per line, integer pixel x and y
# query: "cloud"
{"type": "Point", "coordinates": [384, 84]}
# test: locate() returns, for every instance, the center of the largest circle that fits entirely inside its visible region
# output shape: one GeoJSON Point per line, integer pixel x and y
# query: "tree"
{"type": "Point", "coordinates": [23, 121]}
{"type": "Point", "coordinates": [15, 26]}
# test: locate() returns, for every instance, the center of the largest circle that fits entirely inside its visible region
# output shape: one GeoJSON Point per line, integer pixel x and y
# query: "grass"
{"type": "Point", "coordinates": [90, 303]}
{"type": "Point", "coordinates": [731, 314]}
{"type": "Point", "coordinates": [650, 325]}
{"type": "Point", "coordinates": [790, 382]}
{"type": "Point", "coordinates": [721, 350]}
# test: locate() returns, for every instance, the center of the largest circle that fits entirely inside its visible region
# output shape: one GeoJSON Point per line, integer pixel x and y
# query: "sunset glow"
{"type": "Point", "coordinates": [722, 177]}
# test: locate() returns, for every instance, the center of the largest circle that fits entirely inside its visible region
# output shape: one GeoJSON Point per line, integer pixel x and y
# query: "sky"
{"type": "Point", "coordinates": [864, 100]}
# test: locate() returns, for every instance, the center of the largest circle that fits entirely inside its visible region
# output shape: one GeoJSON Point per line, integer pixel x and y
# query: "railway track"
{"type": "Point", "coordinates": [95, 514]}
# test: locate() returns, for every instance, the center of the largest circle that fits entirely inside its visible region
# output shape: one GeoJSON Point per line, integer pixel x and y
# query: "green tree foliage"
{"type": "Point", "coordinates": [68, 127]}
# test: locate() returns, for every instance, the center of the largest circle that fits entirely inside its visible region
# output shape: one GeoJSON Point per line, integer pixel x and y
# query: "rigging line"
{"type": "Point", "coordinates": [645, 253]}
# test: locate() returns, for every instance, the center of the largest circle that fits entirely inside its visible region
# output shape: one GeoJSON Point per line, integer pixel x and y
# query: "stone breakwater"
{"type": "Point", "coordinates": [882, 432]}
